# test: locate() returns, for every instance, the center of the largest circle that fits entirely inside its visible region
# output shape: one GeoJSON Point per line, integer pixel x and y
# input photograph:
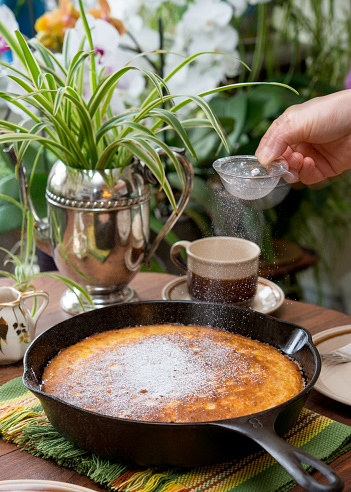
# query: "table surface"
{"type": "Point", "coordinates": [16, 464]}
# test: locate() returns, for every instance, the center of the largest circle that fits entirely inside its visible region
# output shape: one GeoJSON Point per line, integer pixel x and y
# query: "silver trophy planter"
{"type": "Point", "coordinates": [98, 228]}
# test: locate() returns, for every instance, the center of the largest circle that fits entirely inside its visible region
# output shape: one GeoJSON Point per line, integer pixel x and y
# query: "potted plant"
{"type": "Point", "coordinates": [21, 303]}
{"type": "Point", "coordinates": [97, 193]}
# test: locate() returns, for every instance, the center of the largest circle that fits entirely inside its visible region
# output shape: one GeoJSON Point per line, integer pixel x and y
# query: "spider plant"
{"type": "Point", "coordinates": [23, 261]}
{"type": "Point", "coordinates": [82, 131]}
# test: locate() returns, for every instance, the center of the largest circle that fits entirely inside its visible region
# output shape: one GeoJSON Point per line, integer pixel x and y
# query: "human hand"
{"type": "Point", "coordinates": [313, 138]}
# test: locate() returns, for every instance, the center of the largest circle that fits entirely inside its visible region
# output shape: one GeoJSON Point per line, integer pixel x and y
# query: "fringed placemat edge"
{"type": "Point", "coordinates": [26, 428]}
{"type": "Point", "coordinates": [24, 423]}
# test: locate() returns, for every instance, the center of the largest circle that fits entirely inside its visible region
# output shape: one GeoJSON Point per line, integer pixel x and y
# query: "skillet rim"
{"type": "Point", "coordinates": [303, 393]}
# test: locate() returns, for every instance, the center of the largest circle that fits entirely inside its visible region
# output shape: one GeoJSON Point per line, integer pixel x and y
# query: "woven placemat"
{"type": "Point", "coordinates": [23, 422]}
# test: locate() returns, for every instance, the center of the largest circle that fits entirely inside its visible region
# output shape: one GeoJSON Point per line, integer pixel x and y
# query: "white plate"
{"type": "Point", "coordinates": [335, 379]}
{"type": "Point", "coordinates": [269, 297]}
{"type": "Point", "coordinates": [40, 485]}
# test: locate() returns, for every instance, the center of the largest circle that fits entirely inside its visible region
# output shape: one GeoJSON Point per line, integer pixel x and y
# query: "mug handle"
{"type": "Point", "coordinates": [175, 254]}
{"type": "Point", "coordinates": [45, 302]}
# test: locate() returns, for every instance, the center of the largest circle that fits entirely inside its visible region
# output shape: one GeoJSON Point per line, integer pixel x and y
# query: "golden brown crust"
{"type": "Point", "coordinates": [170, 373]}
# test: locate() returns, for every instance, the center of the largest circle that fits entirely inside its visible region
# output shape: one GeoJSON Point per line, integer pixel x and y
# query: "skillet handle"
{"type": "Point", "coordinates": [261, 430]}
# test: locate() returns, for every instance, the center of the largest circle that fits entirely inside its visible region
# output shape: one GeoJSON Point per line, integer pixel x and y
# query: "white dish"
{"type": "Point", "coordinates": [335, 379]}
{"type": "Point", "coordinates": [269, 297]}
{"type": "Point", "coordinates": [40, 485]}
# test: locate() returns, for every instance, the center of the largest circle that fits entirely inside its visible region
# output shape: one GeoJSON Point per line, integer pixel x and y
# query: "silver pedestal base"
{"type": "Point", "coordinates": [70, 300]}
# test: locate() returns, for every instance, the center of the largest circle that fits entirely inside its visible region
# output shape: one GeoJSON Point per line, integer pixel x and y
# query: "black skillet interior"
{"type": "Point", "coordinates": [148, 443]}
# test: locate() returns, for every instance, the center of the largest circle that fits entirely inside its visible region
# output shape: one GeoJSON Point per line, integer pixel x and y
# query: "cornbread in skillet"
{"type": "Point", "coordinates": [171, 373]}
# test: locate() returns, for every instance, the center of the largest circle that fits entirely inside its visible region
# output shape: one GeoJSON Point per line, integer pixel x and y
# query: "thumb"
{"type": "Point", "coordinates": [281, 135]}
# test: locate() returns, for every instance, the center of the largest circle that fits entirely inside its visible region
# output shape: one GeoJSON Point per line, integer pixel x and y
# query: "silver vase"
{"type": "Point", "coordinates": [98, 228]}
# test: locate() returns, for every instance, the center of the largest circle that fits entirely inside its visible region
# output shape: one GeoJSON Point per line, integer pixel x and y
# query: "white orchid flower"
{"type": "Point", "coordinates": [205, 27]}
{"type": "Point", "coordinates": [239, 6]}
{"type": "Point", "coordinates": [207, 15]}
{"type": "Point", "coordinates": [217, 41]}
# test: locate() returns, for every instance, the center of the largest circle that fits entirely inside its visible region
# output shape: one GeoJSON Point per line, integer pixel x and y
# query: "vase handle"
{"type": "Point", "coordinates": [182, 202]}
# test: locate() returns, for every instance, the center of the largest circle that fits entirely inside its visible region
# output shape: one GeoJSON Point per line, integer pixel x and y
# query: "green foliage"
{"type": "Point", "coordinates": [84, 134]}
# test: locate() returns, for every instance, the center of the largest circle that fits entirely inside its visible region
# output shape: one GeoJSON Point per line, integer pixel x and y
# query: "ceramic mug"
{"type": "Point", "coordinates": [219, 269]}
{"type": "Point", "coordinates": [17, 324]}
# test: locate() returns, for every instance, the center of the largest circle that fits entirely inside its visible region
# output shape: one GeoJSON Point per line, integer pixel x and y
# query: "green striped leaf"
{"type": "Point", "coordinates": [29, 90]}
{"type": "Point", "coordinates": [151, 158]}
{"type": "Point", "coordinates": [145, 111]}
{"type": "Point", "coordinates": [78, 59]}
{"type": "Point", "coordinates": [31, 62]}
{"type": "Point", "coordinates": [237, 86]}
{"type": "Point", "coordinates": [175, 124]}
{"type": "Point", "coordinates": [185, 62]}
{"type": "Point", "coordinates": [157, 81]}
{"type": "Point", "coordinates": [66, 137]}
{"type": "Point", "coordinates": [35, 130]}
{"type": "Point", "coordinates": [14, 69]}
{"type": "Point", "coordinates": [65, 49]}
{"type": "Point", "coordinates": [103, 88]}
{"type": "Point", "coordinates": [143, 144]}
{"type": "Point", "coordinates": [47, 80]}
{"type": "Point", "coordinates": [58, 80]}
{"type": "Point", "coordinates": [34, 166]}
{"type": "Point", "coordinates": [114, 122]}
{"type": "Point", "coordinates": [50, 60]}
{"type": "Point", "coordinates": [140, 129]}
{"type": "Point", "coordinates": [144, 157]}
{"type": "Point", "coordinates": [162, 145]}
{"type": "Point", "coordinates": [59, 150]}
{"type": "Point", "coordinates": [196, 123]}
{"type": "Point", "coordinates": [29, 256]}
{"type": "Point", "coordinates": [201, 103]}
{"type": "Point", "coordinates": [13, 44]}
{"type": "Point", "coordinates": [86, 121]}
{"type": "Point", "coordinates": [12, 200]}
{"type": "Point", "coordinates": [73, 286]}
{"type": "Point", "coordinates": [92, 73]}
{"type": "Point", "coordinates": [58, 98]}
{"type": "Point", "coordinates": [8, 125]}
{"type": "Point", "coordinates": [47, 59]}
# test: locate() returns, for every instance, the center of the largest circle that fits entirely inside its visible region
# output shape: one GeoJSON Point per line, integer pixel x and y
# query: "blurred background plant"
{"type": "Point", "coordinates": [302, 43]}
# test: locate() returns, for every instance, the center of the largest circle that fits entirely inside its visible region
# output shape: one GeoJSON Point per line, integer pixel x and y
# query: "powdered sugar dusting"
{"type": "Point", "coordinates": [164, 375]}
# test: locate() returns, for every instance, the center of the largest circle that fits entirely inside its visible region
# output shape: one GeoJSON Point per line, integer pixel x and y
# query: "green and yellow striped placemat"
{"type": "Point", "coordinates": [23, 422]}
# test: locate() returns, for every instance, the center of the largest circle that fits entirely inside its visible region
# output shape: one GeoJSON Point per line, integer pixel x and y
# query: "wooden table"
{"type": "Point", "coordinates": [21, 465]}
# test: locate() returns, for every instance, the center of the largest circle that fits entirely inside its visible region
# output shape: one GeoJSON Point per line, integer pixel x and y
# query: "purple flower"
{"type": "Point", "coordinates": [3, 45]}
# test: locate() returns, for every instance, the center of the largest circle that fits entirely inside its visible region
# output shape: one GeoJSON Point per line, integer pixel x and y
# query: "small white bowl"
{"type": "Point", "coordinates": [40, 485]}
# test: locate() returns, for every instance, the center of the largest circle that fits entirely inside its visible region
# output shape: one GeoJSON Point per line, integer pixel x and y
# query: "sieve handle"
{"type": "Point", "coordinates": [289, 175]}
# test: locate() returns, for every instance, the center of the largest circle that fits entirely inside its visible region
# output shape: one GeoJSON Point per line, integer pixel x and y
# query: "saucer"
{"type": "Point", "coordinates": [269, 297]}
{"type": "Point", "coordinates": [335, 379]}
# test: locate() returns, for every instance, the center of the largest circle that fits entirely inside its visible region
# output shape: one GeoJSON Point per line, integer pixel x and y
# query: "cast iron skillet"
{"type": "Point", "coordinates": [183, 444]}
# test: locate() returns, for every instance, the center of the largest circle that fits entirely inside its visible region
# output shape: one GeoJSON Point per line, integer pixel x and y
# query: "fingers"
{"type": "Point", "coordinates": [280, 137]}
{"type": "Point", "coordinates": [313, 138]}
{"type": "Point", "coordinates": [318, 121]}
{"type": "Point", "coordinates": [305, 167]}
